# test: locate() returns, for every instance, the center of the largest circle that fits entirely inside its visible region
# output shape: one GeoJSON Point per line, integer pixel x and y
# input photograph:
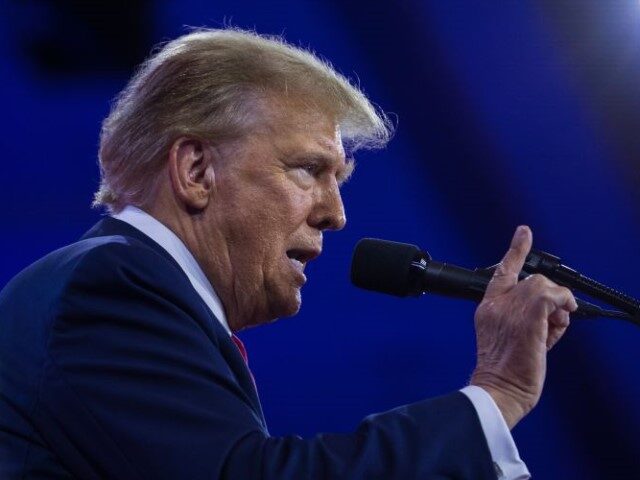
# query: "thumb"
{"type": "Point", "coordinates": [506, 274]}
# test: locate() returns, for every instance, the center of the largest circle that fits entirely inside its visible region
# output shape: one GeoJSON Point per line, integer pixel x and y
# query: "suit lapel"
{"type": "Point", "coordinates": [109, 226]}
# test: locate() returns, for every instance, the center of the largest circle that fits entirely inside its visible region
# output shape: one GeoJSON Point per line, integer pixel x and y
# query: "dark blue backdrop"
{"type": "Point", "coordinates": [509, 112]}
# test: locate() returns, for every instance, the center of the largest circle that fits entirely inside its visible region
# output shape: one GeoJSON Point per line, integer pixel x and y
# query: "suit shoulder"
{"type": "Point", "coordinates": [118, 251]}
{"type": "Point", "coordinates": [120, 279]}
{"type": "Point", "coordinates": [119, 259]}
{"type": "Point", "coordinates": [93, 260]}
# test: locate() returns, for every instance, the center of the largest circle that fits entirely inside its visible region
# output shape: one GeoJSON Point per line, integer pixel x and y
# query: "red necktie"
{"type": "Point", "coordinates": [243, 352]}
{"type": "Point", "coordinates": [240, 345]}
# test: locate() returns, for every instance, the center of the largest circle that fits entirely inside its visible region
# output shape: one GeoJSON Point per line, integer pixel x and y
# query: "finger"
{"type": "Point", "coordinates": [558, 323]}
{"type": "Point", "coordinates": [539, 285]}
{"type": "Point", "coordinates": [549, 297]}
{"type": "Point", "coordinates": [506, 274]}
{"type": "Point", "coordinates": [565, 299]}
{"type": "Point", "coordinates": [559, 319]}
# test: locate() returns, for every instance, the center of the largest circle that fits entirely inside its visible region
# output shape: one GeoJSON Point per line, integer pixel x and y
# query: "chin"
{"type": "Point", "coordinates": [288, 305]}
{"type": "Point", "coordinates": [275, 309]}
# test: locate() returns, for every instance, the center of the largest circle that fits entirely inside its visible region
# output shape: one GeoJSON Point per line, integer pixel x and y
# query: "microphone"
{"type": "Point", "coordinates": [404, 270]}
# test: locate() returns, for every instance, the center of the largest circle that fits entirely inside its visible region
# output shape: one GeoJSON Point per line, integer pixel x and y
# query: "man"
{"type": "Point", "coordinates": [221, 166]}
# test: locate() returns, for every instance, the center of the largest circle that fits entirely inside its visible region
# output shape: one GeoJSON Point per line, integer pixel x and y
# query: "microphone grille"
{"type": "Point", "coordinates": [384, 266]}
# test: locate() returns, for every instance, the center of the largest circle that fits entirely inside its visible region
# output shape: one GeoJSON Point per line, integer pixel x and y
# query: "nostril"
{"type": "Point", "coordinates": [334, 223]}
{"type": "Point", "coordinates": [324, 225]}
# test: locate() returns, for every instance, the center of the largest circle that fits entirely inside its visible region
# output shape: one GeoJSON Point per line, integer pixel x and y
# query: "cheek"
{"type": "Point", "coordinates": [296, 202]}
{"type": "Point", "coordinates": [259, 222]}
{"type": "Point", "coordinates": [298, 208]}
{"type": "Point", "coordinates": [279, 213]}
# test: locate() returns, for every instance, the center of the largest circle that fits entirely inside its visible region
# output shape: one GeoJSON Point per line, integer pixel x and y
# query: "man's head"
{"type": "Point", "coordinates": [235, 141]}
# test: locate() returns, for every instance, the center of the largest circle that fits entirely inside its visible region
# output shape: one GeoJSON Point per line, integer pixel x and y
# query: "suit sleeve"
{"type": "Point", "coordinates": [136, 386]}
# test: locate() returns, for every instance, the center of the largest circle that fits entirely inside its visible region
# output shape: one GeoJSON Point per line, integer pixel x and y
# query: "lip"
{"type": "Point", "coordinates": [299, 257]}
{"type": "Point", "coordinates": [304, 254]}
{"type": "Point", "coordinates": [298, 268]}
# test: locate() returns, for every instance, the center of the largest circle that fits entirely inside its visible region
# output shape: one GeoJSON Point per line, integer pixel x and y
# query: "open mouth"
{"type": "Point", "coordinates": [301, 256]}
{"type": "Point", "coordinates": [298, 259]}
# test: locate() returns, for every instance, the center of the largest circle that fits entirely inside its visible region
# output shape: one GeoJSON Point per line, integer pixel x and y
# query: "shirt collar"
{"type": "Point", "coordinates": [168, 240]}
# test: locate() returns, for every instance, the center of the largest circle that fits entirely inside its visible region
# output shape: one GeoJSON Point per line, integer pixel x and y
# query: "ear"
{"type": "Point", "coordinates": [191, 172]}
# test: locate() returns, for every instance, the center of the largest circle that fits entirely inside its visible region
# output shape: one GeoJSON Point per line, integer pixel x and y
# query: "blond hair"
{"type": "Point", "coordinates": [201, 85]}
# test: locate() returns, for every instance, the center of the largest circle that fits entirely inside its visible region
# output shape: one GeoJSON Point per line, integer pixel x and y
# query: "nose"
{"type": "Point", "coordinates": [328, 212]}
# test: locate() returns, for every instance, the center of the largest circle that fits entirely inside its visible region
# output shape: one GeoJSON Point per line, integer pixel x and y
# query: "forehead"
{"type": "Point", "coordinates": [293, 126]}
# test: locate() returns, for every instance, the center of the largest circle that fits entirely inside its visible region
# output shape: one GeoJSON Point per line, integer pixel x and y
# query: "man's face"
{"type": "Point", "coordinates": [275, 192]}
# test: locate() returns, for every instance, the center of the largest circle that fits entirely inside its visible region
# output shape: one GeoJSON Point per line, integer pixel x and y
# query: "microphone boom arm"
{"type": "Point", "coordinates": [550, 266]}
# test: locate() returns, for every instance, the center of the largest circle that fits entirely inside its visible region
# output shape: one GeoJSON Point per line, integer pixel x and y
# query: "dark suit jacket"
{"type": "Point", "coordinates": [112, 366]}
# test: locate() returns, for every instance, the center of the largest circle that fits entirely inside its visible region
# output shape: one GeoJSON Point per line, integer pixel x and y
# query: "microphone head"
{"type": "Point", "coordinates": [384, 266]}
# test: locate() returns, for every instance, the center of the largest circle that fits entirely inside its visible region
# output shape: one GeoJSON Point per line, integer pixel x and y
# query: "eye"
{"type": "Point", "coordinates": [311, 168]}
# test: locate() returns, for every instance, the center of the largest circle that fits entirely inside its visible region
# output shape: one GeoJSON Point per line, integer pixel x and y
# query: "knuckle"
{"type": "Point", "coordinates": [501, 270]}
{"type": "Point", "coordinates": [532, 283]}
{"type": "Point", "coordinates": [487, 310]}
{"type": "Point", "coordinates": [545, 296]}
{"type": "Point", "coordinates": [537, 279]}
{"type": "Point", "coordinates": [565, 292]}
{"type": "Point", "coordinates": [483, 309]}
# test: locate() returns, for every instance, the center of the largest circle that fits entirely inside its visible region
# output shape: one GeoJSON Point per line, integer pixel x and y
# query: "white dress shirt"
{"type": "Point", "coordinates": [503, 450]}
{"type": "Point", "coordinates": [175, 247]}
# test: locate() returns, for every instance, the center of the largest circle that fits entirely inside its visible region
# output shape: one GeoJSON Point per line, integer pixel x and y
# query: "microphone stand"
{"type": "Point", "coordinates": [551, 267]}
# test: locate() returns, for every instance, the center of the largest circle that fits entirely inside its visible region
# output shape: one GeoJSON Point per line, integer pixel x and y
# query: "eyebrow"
{"type": "Point", "coordinates": [343, 176]}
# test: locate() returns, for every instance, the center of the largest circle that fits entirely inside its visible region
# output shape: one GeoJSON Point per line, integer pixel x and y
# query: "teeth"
{"type": "Point", "coordinates": [297, 262]}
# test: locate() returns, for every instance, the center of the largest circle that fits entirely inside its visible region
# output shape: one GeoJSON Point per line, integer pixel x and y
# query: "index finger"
{"type": "Point", "coordinates": [506, 274]}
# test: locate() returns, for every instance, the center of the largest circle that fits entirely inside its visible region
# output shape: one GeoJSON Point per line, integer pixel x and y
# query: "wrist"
{"type": "Point", "coordinates": [512, 403]}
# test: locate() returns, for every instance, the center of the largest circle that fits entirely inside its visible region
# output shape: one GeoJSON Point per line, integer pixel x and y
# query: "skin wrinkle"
{"type": "Point", "coordinates": [240, 204]}
{"type": "Point", "coordinates": [516, 324]}
{"type": "Point", "coordinates": [273, 190]}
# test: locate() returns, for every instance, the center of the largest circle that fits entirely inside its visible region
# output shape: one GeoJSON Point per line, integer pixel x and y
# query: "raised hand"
{"type": "Point", "coordinates": [517, 323]}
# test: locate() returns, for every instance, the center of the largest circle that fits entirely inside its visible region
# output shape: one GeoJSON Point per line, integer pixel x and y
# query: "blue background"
{"type": "Point", "coordinates": [508, 112]}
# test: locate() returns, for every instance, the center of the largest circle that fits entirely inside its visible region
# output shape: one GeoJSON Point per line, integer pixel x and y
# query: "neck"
{"type": "Point", "coordinates": [208, 247]}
